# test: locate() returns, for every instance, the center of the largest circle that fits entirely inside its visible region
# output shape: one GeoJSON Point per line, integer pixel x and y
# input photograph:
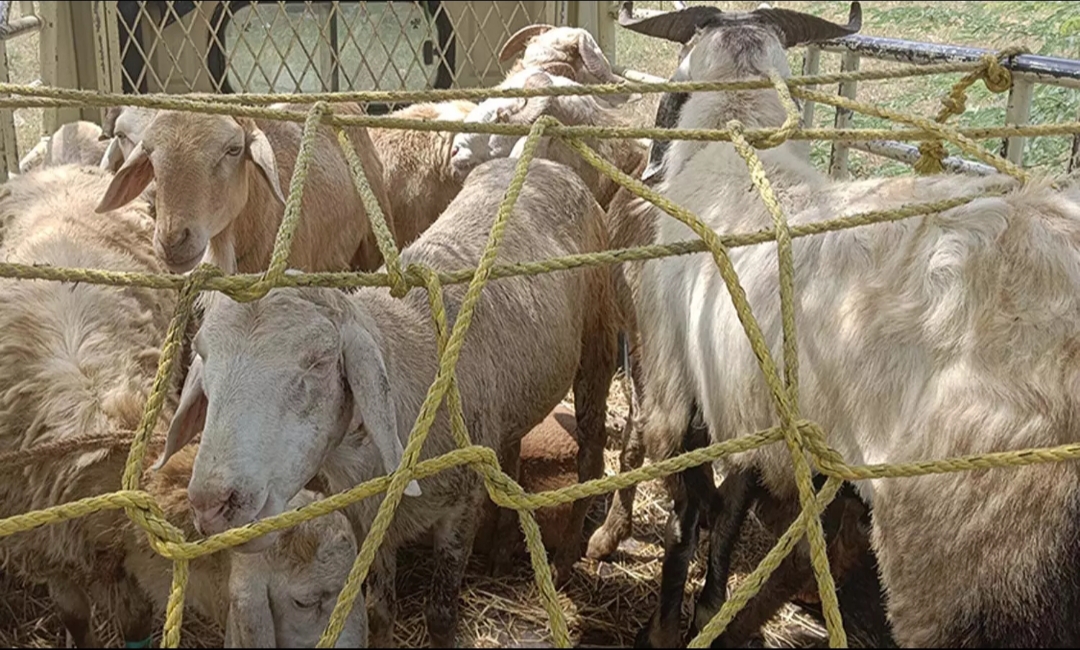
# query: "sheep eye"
{"type": "Point", "coordinates": [122, 136]}
{"type": "Point", "coordinates": [234, 150]}
{"type": "Point", "coordinates": [300, 604]}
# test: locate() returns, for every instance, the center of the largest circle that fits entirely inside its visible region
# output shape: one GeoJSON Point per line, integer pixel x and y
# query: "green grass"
{"type": "Point", "coordinates": [1048, 28]}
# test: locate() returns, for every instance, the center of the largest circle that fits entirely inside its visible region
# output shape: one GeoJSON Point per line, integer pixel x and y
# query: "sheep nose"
{"type": "Point", "coordinates": [180, 238]}
{"type": "Point", "coordinates": [210, 509]}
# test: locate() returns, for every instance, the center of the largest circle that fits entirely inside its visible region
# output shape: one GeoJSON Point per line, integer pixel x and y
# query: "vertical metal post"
{"type": "Point", "coordinates": [1018, 113]}
{"type": "Point", "coordinates": [811, 66]}
{"type": "Point", "coordinates": [838, 161]}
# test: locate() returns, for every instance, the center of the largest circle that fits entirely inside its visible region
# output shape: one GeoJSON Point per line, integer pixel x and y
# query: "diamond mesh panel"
{"type": "Point", "coordinates": [290, 47]}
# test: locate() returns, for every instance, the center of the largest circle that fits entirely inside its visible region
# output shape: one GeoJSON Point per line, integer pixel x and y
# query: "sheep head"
{"type": "Point", "coordinates": [283, 598]}
{"type": "Point", "coordinates": [203, 166]}
{"type": "Point", "coordinates": [123, 128]}
{"type": "Point", "coordinates": [549, 48]}
{"type": "Point", "coordinates": [276, 385]}
{"type": "Point", "coordinates": [725, 46]}
{"type": "Point", "coordinates": [471, 149]}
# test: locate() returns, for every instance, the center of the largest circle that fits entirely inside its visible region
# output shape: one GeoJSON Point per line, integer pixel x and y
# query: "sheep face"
{"type": "Point", "coordinates": [276, 385]}
{"type": "Point", "coordinates": [469, 150]}
{"type": "Point", "coordinates": [283, 598]}
{"type": "Point", "coordinates": [202, 166]}
{"type": "Point", "coordinates": [123, 127]}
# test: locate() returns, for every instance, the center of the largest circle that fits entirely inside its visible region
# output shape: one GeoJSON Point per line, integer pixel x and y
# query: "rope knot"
{"type": "Point", "coordinates": [931, 160]}
{"type": "Point", "coordinates": [399, 286]}
{"type": "Point", "coordinates": [997, 77]}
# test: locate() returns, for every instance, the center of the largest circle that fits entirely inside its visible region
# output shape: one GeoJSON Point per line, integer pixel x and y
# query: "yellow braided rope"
{"type": "Point", "coordinates": [997, 79]}
{"type": "Point", "coordinates": [802, 438]}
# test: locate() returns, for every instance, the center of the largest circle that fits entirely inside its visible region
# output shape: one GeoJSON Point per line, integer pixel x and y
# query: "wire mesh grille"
{"type": "Point", "coordinates": [311, 46]}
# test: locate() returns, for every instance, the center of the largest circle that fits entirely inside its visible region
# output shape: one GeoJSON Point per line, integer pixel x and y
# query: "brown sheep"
{"type": "Point", "coordinates": [416, 164]}
{"type": "Point", "coordinates": [219, 195]}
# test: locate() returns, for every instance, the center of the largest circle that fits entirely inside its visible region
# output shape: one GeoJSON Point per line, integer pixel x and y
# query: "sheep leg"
{"type": "Point", "coordinates": [506, 520]}
{"type": "Point", "coordinates": [680, 544]}
{"type": "Point", "coordinates": [75, 613]}
{"type": "Point", "coordinates": [595, 372]}
{"type": "Point", "coordinates": [728, 510]}
{"type": "Point", "coordinates": [382, 598]}
{"type": "Point", "coordinates": [453, 544]}
{"type": "Point", "coordinates": [618, 525]}
{"type": "Point", "coordinates": [135, 613]}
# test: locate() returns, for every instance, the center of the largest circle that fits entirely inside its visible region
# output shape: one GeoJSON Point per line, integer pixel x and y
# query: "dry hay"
{"type": "Point", "coordinates": [605, 602]}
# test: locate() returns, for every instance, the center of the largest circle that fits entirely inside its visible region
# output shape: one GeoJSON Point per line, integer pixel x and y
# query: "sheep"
{"type": "Point", "coordinates": [962, 323]}
{"type": "Point", "coordinates": [548, 462]}
{"type": "Point", "coordinates": [280, 598]}
{"type": "Point", "coordinates": [74, 142]}
{"type": "Point", "coordinates": [470, 149]}
{"type": "Point", "coordinates": [368, 359]}
{"type": "Point", "coordinates": [79, 361]}
{"type": "Point", "coordinates": [219, 195]}
{"type": "Point", "coordinates": [415, 164]}
{"type": "Point", "coordinates": [568, 51]}
{"type": "Point", "coordinates": [123, 128]}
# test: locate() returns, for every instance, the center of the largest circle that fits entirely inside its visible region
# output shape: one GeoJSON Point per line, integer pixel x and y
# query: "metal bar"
{"type": "Point", "coordinates": [811, 66]}
{"type": "Point", "coordinates": [19, 27]}
{"type": "Point", "coordinates": [1018, 113]}
{"type": "Point", "coordinates": [838, 160]}
{"type": "Point", "coordinates": [634, 75]}
{"type": "Point", "coordinates": [1044, 69]}
{"type": "Point", "coordinates": [1074, 159]}
{"type": "Point", "coordinates": [906, 153]}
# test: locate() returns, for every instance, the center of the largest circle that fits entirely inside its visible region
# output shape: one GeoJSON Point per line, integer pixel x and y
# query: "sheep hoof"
{"type": "Point", "coordinates": [603, 543]}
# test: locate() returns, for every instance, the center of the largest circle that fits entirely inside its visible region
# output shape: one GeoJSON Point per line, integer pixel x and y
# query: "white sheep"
{"type": "Point", "coordinates": [471, 149]}
{"type": "Point", "coordinates": [79, 360]}
{"type": "Point", "coordinates": [75, 142]}
{"type": "Point", "coordinates": [568, 51]}
{"type": "Point", "coordinates": [338, 380]}
{"type": "Point", "coordinates": [945, 335]}
{"type": "Point", "coordinates": [122, 128]}
{"type": "Point", "coordinates": [416, 164]}
{"type": "Point", "coordinates": [219, 196]}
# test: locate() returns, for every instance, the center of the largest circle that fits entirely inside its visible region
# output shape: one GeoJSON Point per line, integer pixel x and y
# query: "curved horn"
{"type": "Point", "coordinates": [798, 28]}
{"type": "Point", "coordinates": [679, 26]}
{"type": "Point", "coordinates": [518, 40]}
{"type": "Point", "coordinates": [557, 68]}
{"type": "Point", "coordinates": [536, 106]}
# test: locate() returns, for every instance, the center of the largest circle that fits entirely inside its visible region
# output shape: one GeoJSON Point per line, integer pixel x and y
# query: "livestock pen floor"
{"type": "Point", "coordinates": [605, 602]}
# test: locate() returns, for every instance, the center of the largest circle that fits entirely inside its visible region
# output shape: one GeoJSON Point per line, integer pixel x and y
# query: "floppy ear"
{"type": "Point", "coordinates": [130, 180]}
{"type": "Point", "coordinates": [190, 416]}
{"type": "Point", "coordinates": [373, 406]}
{"type": "Point", "coordinates": [262, 154]}
{"type": "Point", "coordinates": [250, 623]}
{"type": "Point", "coordinates": [113, 158]}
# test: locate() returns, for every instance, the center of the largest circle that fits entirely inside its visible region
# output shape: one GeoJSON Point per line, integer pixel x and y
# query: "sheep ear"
{"type": "Point", "coordinates": [129, 182]}
{"type": "Point", "coordinates": [190, 416]}
{"type": "Point", "coordinates": [113, 158]}
{"type": "Point", "coordinates": [262, 154]}
{"type": "Point", "coordinates": [250, 623]}
{"type": "Point", "coordinates": [372, 402]}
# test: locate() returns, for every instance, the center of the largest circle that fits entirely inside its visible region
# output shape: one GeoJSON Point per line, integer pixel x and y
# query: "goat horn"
{"type": "Point", "coordinates": [557, 68]}
{"type": "Point", "coordinates": [798, 28]}
{"type": "Point", "coordinates": [517, 41]}
{"type": "Point", "coordinates": [679, 26]}
{"type": "Point", "coordinates": [536, 106]}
